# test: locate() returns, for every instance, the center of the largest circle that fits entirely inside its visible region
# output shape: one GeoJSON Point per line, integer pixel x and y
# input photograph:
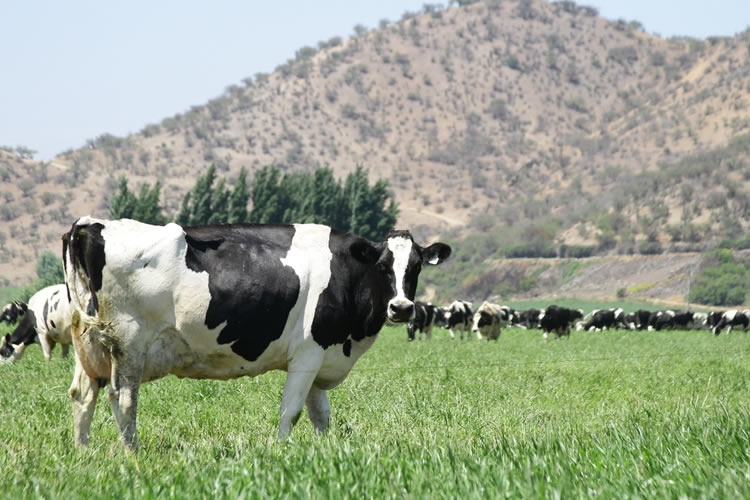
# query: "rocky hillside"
{"type": "Point", "coordinates": [531, 120]}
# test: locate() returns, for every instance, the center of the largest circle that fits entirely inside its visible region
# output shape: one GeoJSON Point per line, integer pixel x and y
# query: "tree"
{"type": "Point", "coordinates": [237, 209]}
{"type": "Point", "coordinates": [319, 198]}
{"type": "Point", "coordinates": [144, 208]}
{"type": "Point", "coordinates": [207, 204]}
{"type": "Point", "coordinates": [49, 269]}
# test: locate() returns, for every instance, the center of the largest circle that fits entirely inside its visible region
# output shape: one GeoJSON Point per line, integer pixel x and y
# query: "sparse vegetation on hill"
{"type": "Point", "coordinates": [522, 117]}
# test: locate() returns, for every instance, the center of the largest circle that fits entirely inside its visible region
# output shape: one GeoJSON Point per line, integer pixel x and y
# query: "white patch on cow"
{"type": "Point", "coordinates": [729, 315]}
{"type": "Point", "coordinates": [401, 249]}
{"type": "Point", "coordinates": [310, 257]}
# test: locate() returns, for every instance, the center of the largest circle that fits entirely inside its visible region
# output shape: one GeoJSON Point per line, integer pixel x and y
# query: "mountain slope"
{"type": "Point", "coordinates": [530, 119]}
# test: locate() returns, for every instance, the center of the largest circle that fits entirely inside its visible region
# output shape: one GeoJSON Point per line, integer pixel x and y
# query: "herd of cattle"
{"type": "Point", "coordinates": [223, 301]}
{"type": "Point", "coordinates": [46, 319]}
{"type": "Point", "coordinates": [489, 319]}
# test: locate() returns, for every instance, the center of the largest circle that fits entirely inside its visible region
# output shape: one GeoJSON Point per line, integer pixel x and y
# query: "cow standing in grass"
{"type": "Point", "coordinates": [489, 320]}
{"type": "Point", "coordinates": [458, 317]}
{"type": "Point", "coordinates": [424, 319]}
{"type": "Point", "coordinates": [222, 302]}
{"type": "Point", "coordinates": [47, 320]}
{"type": "Point", "coordinates": [559, 320]}
{"type": "Point", "coordinates": [729, 320]}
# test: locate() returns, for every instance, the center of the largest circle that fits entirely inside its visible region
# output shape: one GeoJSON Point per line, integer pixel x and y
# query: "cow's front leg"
{"type": "Point", "coordinates": [83, 392]}
{"type": "Point", "coordinates": [318, 408]}
{"type": "Point", "coordinates": [65, 348]}
{"type": "Point", "coordinates": [301, 373]}
{"type": "Point", "coordinates": [127, 373]}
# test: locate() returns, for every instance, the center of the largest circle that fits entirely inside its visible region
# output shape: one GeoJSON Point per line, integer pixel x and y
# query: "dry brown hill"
{"type": "Point", "coordinates": [533, 119]}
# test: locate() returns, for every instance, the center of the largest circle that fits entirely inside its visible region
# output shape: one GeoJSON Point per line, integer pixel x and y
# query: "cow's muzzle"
{"type": "Point", "coordinates": [400, 310]}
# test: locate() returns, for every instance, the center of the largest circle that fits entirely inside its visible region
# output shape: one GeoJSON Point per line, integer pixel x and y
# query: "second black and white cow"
{"type": "Point", "coordinates": [603, 319]}
{"type": "Point", "coordinates": [222, 302]}
{"type": "Point", "coordinates": [47, 320]}
{"type": "Point", "coordinates": [13, 311]}
{"type": "Point", "coordinates": [558, 320]}
{"type": "Point", "coordinates": [729, 320]}
{"type": "Point", "coordinates": [489, 320]}
{"type": "Point", "coordinates": [637, 320]}
{"type": "Point", "coordinates": [527, 319]}
{"type": "Point", "coordinates": [423, 321]}
{"type": "Point", "coordinates": [458, 317]}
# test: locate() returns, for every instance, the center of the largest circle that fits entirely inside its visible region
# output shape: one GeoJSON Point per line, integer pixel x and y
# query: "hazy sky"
{"type": "Point", "coordinates": [73, 70]}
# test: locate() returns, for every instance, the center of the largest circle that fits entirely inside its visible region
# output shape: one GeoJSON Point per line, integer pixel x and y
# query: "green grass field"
{"type": "Point", "coordinates": [612, 415]}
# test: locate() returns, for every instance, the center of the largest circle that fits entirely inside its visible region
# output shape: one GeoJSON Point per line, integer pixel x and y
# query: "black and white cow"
{"type": "Point", "coordinates": [683, 320]}
{"type": "Point", "coordinates": [638, 320]}
{"type": "Point", "coordinates": [222, 302]}
{"type": "Point", "coordinates": [731, 319]}
{"type": "Point", "coordinates": [527, 319]}
{"type": "Point", "coordinates": [558, 320]}
{"type": "Point", "coordinates": [603, 319]}
{"type": "Point", "coordinates": [489, 319]}
{"type": "Point", "coordinates": [13, 311]}
{"type": "Point", "coordinates": [423, 321]}
{"type": "Point", "coordinates": [47, 319]}
{"type": "Point", "coordinates": [458, 317]}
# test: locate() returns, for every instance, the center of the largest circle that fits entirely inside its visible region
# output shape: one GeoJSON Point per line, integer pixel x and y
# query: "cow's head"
{"type": "Point", "coordinates": [13, 345]}
{"type": "Point", "coordinates": [13, 311]}
{"type": "Point", "coordinates": [399, 260]}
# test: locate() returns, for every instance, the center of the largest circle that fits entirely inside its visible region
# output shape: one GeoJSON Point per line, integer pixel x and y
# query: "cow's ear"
{"type": "Point", "coordinates": [364, 252]}
{"type": "Point", "coordinates": [436, 253]}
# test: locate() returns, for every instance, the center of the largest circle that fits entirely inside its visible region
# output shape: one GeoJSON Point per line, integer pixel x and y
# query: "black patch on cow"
{"type": "Point", "coordinates": [348, 348]}
{"type": "Point", "coordinates": [354, 303]}
{"type": "Point", "coordinates": [87, 249]}
{"type": "Point", "coordinates": [250, 288]}
{"type": "Point", "coordinates": [45, 311]}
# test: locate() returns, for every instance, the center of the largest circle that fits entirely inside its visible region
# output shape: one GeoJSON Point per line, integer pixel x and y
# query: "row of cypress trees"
{"type": "Point", "coordinates": [308, 197]}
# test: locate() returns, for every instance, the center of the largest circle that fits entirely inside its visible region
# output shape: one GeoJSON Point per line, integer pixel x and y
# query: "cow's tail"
{"type": "Point", "coordinates": [83, 261]}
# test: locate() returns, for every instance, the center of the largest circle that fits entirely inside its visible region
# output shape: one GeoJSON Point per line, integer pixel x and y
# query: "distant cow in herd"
{"type": "Point", "coordinates": [46, 320]}
{"type": "Point", "coordinates": [489, 319]}
{"type": "Point", "coordinates": [426, 316]}
{"type": "Point", "coordinates": [728, 320]}
{"type": "Point", "coordinates": [558, 320]}
{"type": "Point", "coordinates": [458, 318]}
{"type": "Point", "coordinates": [603, 319]}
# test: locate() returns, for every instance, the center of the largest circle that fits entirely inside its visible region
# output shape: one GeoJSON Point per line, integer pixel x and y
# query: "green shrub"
{"type": "Point", "coordinates": [722, 282]}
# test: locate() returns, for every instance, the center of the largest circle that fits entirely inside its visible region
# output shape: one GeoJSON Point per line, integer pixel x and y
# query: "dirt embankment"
{"type": "Point", "coordinates": [664, 278]}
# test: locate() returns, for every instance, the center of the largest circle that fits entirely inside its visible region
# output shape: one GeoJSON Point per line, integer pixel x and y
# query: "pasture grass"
{"type": "Point", "coordinates": [611, 414]}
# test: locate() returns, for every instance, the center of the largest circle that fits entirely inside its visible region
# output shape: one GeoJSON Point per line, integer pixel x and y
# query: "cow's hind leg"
{"type": "Point", "coordinates": [83, 392]}
{"type": "Point", "coordinates": [318, 408]}
{"type": "Point", "coordinates": [47, 345]}
{"type": "Point", "coordinates": [127, 373]}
